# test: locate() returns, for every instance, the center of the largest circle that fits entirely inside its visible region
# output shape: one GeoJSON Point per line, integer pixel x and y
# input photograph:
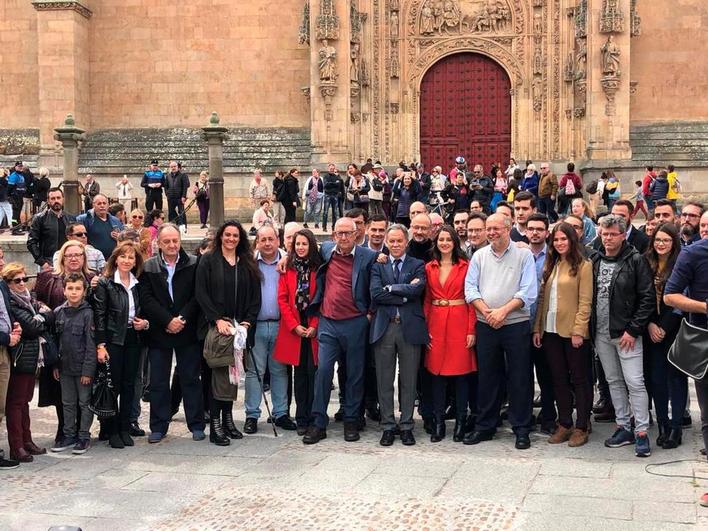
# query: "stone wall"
{"type": "Point", "coordinates": [669, 62]}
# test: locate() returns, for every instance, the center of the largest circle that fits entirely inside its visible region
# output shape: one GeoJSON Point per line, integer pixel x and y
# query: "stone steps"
{"type": "Point", "coordinates": [114, 152]}
{"type": "Point", "coordinates": [680, 143]}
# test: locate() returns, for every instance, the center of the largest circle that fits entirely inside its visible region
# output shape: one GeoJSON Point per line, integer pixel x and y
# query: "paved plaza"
{"type": "Point", "coordinates": [263, 482]}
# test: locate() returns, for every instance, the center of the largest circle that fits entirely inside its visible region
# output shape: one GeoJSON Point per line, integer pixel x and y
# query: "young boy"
{"type": "Point", "coordinates": [639, 196]}
{"type": "Point", "coordinates": [77, 354]}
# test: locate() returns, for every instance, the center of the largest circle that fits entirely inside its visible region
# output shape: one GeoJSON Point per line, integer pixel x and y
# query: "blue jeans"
{"type": "Point", "coordinates": [266, 332]}
{"type": "Point", "coordinates": [504, 355]}
{"type": "Point", "coordinates": [333, 202]}
{"type": "Point", "coordinates": [313, 210]}
{"type": "Point", "coordinates": [340, 339]}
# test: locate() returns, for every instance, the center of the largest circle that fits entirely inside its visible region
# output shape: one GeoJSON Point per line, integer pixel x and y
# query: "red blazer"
{"type": "Point", "coordinates": [287, 344]}
{"type": "Point", "coordinates": [449, 326]}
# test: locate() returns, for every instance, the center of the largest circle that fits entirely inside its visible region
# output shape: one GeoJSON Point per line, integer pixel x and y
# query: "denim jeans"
{"type": "Point", "coordinates": [330, 201]}
{"type": "Point", "coordinates": [625, 375]}
{"type": "Point", "coordinates": [74, 393]}
{"type": "Point", "coordinates": [313, 211]}
{"type": "Point", "coordinates": [6, 212]}
{"type": "Point", "coordinates": [266, 332]}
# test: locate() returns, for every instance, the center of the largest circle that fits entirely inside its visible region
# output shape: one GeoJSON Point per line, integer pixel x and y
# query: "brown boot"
{"type": "Point", "coordinates": [578, 438]}
{"type": "Point", "coordinates": [34, 449]}
{"type": "Point", "coordinates": [21, 455]}
{"type": "Point", "coordinates": [561, 435]}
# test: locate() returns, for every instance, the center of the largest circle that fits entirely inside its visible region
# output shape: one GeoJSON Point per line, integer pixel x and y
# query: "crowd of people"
{"type": "Point", "coordinates": [469, 288]}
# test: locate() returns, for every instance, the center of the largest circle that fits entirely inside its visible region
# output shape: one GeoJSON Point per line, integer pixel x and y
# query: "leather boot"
{"type": "Point", "coordinates": [216, 433]}
{"type": "Point", "coordinates": [428, 425]}
{"type": "Point", "coordinates": [664, 430]}
{"type": "Point", "coordinates": [229, 427]}
{"type": "Point", "coordinates": [459, 432]}
{"type": "Point", "coordinates": [438, 430]}
{"type": "Point", "coordinates": [673, 439]}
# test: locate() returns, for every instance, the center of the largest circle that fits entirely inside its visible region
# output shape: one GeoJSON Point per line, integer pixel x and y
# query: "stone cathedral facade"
{"type": "Point", "coordinates": [605, 83]}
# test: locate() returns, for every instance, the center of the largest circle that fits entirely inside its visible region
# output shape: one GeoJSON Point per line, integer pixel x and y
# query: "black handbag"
{"type": "Point", "coordinates": [104, 397]}
{"type": "Point", "coordinates": [50, 352]}
{"type": "Point", "coordinates": [689, 352]}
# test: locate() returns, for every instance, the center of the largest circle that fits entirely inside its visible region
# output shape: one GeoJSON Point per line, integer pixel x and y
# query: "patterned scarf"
{"type": "Point", "coordinates": [314, 183]}
{"type": "Point", "coordinates": [302, 294]}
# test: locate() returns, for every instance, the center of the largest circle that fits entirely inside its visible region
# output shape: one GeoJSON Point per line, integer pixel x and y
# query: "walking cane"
{"type": "Point", "coordinates": [260, 382]}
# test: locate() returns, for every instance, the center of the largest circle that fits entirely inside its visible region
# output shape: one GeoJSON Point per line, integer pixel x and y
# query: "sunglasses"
{"type": "Point", "coordinates": [137, 217]}
{"type": "Point", "coordinates": [19, 280]}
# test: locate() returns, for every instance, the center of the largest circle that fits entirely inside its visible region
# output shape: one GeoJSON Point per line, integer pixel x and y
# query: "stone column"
{"type": "Point", "coordinates": [69, 136]}
{"type": "Point", "coordinates": [329, 91]}
{"type": "Point", "coordinates": [608, 71]}
{"type": "Point", "coordinates": [63, 61]}
{"type": "Point", "coordinates": [214, 136]}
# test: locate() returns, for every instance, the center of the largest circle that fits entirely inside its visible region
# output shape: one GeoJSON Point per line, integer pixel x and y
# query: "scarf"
{"type": "Point", "coordinates": [23, 299]}
{"type": "Point", "coordinates": [314, 184]}
{"type": "Point", "coordinates": [302, 293]}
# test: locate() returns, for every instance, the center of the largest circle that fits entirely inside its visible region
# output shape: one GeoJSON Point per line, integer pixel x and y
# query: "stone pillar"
{"type": "Point", "coordinates": [214, 136]}
{"type": "Point", "coordinates": [63, 67]}
{"type": "Point", "coordinates": [69, 136]}
{"type": "Point", "coordinates": [329, 91]}
{"type": "Point", "coordinates": [608, 69]}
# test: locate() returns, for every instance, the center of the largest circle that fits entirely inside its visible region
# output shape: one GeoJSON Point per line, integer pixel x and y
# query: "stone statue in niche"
{"type": "Point", "coordinates": [537, 94]}
{"type": "Point", "coordinates": [581, 60]}
{"type": "Point", "coordinates": [328, 62]}
{"type": "Point", "coordinates": [537, 23]}
{"type": "Point", "coordinates": [610, 58]}
{"type": "Point", "coordinates": [354, 68]}
{"type": "Point", "coordinates": [427, 20]}
{"type": "Point", "coordinates": [393, 24]}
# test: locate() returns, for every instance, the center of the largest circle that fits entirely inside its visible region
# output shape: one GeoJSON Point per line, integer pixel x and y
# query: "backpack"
{"type": "Point", "coordinates": [569, 187]}
{"type": "Point", "coordinates": [592, 187]}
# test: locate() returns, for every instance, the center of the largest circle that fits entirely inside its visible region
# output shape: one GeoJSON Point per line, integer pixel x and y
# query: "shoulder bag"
{"type": "Point", "coordinates": [689, 352]}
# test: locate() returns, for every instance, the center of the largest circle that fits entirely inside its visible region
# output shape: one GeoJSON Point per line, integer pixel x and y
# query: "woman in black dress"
{"type": "Point", "coordinates": [228, 291]}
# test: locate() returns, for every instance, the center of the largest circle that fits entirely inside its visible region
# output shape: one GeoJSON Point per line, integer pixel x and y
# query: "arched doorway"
{"type": "Point", "coordinates": [465, 109]}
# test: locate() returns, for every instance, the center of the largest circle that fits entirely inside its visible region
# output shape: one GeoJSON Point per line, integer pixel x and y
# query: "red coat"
{"type": "Point", "coordinates": [287, 344]}
{"type": "Point", "coordinates": [449, 326]}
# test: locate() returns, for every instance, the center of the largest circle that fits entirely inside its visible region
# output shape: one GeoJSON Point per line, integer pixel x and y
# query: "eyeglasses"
{"type": "Point", "coordinates": [663, 241]}
{"type": "Point", "coordinates": [19, 280]}
{"type": "Point", "coordinates": [609, 234]}
{"type": "Point", "coordinates": [344, 233]}
{"type": "Point", "coordinates": [687, 215]}
{"type": "Point", "coordinates": [74, 255]}
{"type": "Point", "coordinates": [79, 235]}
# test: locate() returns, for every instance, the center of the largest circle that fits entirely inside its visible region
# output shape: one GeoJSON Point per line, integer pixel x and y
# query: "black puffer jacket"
{"type": "Point", "coordinates": [25, 354]}
{"type": "Point", "coordinates": [632, 295]}
{"type": "Point", "coordinates": [110, 311]}
{"type": "Point", "coordinates": [74, 331]}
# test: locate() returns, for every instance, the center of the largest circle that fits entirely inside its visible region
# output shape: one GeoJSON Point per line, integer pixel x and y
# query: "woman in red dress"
{"type": "Point", "coordinates": [451, 322]}
{"type": "Point", "coordinates": [296, 343]}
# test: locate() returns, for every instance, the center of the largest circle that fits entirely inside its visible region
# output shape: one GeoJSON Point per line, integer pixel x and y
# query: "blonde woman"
{"type": "Point", "coordinates": [582, 209]}
{"type": "Point", "coordinates": [201, 193]}
{"type": "Point", "coordinates": [137, 223]}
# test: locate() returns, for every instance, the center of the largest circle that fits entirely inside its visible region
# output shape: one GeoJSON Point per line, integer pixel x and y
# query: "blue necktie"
{"type": "Point", "coordinates": [397, 270]}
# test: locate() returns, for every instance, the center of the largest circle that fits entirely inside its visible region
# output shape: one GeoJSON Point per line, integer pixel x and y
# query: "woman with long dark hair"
{"type": "Point", "coordinates": [228, 292]}
{"type": "Point", "coordinates": [296, 343]}
{"type": "Point", "coordinates": [451, 321]}
{"type": "Point", "coordinates": [562, 329]}
{"type": "Point", "coordinates": [667, 383]}
{"type": "Point", "coordinates": [405, 192]}
{"type": "Point", "coordinates": [116, 315]}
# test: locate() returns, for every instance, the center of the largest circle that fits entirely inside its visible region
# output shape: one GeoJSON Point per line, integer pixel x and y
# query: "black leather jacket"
{"type": "Point", "coordinates": [110, 311]}
{"type": "Point", "coordinates": [45, 238]}
{"type": "Point", "coordinates": [632, 295]}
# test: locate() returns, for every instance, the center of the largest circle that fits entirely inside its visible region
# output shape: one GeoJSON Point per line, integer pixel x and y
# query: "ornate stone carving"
{"type": "Point", "coordinates": [327, 62]}
{"type": "Point", "coordinates": [306, 92]}
{"type": "Point", "coordinates": [610, 85]}
{"type": "Point", "coordinates": [363, 73]}
{"type": "Point", "coordinates": [610, 58]}
{"type": "Point", "coordinates": [635, 21]}
{"type": "Point", "coordinates": [537, 94]}
{"type": "Point", "coordinates": [393, 5]}
{"type": "Point", "coordinates": [581, 58]}
{"type": "Point", "coordinates": [354, 66]}
{"type": "Point", "coordinates": [304, 30]}
{"type": "Point", "coordinates": [393, 107]}
{"type": "Point", "coordinates": [327, 22]}
{"type": "Point", "coordinates": [538, 3]}
{"type": "Point", "coordinates": [633, 87]}
{"type": "Point", "coordinates": [581, 19]}
{"type": "Point", "coordinates": [611, 17]}
{"type": "Point", "coordinates": [393, 25]}
{"type": "Point", "coordinates": [569, 69]}
{"type": "Point", "coordinates": [394, 65]}
{"type": "Point", "coordinates": [62, 6]}
{"type": "Point", "coordinates": [328, 91]}
{"type": "Point", "coordinates": [538, 23]}
{"type": "Point", "coordinates": [580, 98]}
{"type": "Point", "coordinates": [537, 58]}
{"type": "Point", "coordinates": [445, 17]}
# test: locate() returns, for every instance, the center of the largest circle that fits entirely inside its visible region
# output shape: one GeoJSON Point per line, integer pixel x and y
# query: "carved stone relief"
{"type": "Point", "coordinates": [611, 17]}
{"type": "Point", "coordinates": [611, 73]}
{"type": "Point", "coordinates": [581, 19]}
{"type": "Point", "coordinates": [304, 30]}
{"type": "Point", "coordinates": [328, 62]}
{"type": "Point", "coordinates": [635, 21]}
{"type": "Point", "coordinates": [327, 22]}
{"type": "Point", "coordinates": [448, 17]}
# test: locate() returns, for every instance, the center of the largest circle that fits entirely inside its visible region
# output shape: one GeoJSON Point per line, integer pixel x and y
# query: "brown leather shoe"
{"type": "Point", "coordinates": [561, 435]}
{"type": "Point", "coordinates": [34, 449]}
{"type": "Point", "coordinates": [21, 455]}
{"type": "Point", "coordinates": [578, 438]}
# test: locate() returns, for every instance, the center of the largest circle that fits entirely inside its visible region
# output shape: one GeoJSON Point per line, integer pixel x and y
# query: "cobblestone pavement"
{"type": "Point", "coordinates": [263, 482]}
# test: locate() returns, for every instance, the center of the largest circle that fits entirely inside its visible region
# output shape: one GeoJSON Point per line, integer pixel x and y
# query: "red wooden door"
{"type": "Point", "coordinates": [465, 109]}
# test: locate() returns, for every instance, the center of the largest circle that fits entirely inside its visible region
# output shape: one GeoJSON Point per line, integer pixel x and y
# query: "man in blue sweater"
{"type": "Point", "coordinates": [153, 182]}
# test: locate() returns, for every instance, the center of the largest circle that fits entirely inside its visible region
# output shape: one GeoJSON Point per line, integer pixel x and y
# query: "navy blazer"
{"type": "Point", "coordinates": [364, 258]}
{"type": "Point", "coordinates": [404, 296]}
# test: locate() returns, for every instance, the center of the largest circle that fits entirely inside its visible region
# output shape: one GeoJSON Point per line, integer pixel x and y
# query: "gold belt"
{"type": "Point", "coordinates": [449, 302]}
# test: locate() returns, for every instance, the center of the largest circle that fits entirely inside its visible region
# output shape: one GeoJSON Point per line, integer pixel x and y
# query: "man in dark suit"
{"type": "Point", "coordinates": [343, 302]}
{"type": "Point", "coordinates": [398, 331]}
{"type": "Point", "coordinates": [635, 237]}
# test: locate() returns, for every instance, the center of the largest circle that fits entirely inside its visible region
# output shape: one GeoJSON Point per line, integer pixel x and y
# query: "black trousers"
{"type": "Point", "coordinates": [439, 392]}
{"type": "Point", "coordinates": [153, 199]}
{"type": "Point", "coordinates": [124, 362]}
{"type": "Point", "coordinates": [289, 212]}
{"type": "Point", "coordinates": [545, 382]}
{"type": "Point", "coordinates": [175, 207]}
{"type": "Point", "coordinates": [304, 387]}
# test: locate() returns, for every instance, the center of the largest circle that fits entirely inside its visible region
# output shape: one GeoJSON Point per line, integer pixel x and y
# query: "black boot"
{"type": "Point", "coordinates": [459, 432]}
{"type": "Point", "coordinates": [428, 425]}
{"type": "Point", "coordinates": [230, 428]}
{"type": "Point", "coordinates": [216, 432]}
{"type": "Point", "coordinates": [438, 430]}
{"type": "Point", "coordinates": [673, 439]}
{"type": "Point", "coordinates": [664, 430]}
